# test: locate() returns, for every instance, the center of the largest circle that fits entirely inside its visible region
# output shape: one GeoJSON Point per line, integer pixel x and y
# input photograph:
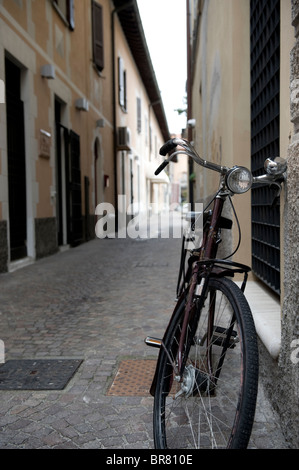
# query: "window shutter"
{"type": "Point", "coordinates": [97, 27]}
{"type": "Point", "coordinates": [125, 89]}
{"type": "Point", "coordinates": [121, 83]}
{"type": "Point", "coordinates": [70, 14]}
{"type": "Point", "coordinates": [138, 115]}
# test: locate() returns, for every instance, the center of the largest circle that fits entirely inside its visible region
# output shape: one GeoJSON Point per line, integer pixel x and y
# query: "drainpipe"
{"type": "Point", "coordinates": [114, 104]}
{"type": "Point", "coordinates": [189, 99]}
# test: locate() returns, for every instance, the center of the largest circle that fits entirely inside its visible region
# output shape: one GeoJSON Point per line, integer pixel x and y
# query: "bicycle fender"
{"type": "Point", "coordinates": [222, 272]}
{"type": "Point", "coordinates": [178, 304]}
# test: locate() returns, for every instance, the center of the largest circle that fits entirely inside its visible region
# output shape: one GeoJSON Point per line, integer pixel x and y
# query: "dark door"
{"type": "Point", "coordinates": [68, 183]}
{"type": "Point", "coordinates": [16, 162]}
{"type": "Point", "coordinates": [62, 178]}
{"type": "Point", "coordinates": [75, 194]}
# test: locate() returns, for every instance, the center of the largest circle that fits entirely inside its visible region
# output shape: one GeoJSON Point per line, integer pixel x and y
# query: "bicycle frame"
{"type": "Point", "coordinates": [204, 261]}
{"type": "Point", "coordinates": [209, 240]}
{"type": "Point", "coordinates": [205, 264]}
{"type": "Point", "coordinates": [204, 267]}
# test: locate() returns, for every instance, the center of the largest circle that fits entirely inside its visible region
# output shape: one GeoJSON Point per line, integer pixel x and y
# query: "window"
{"type": "Point", "coordinates": [97, 35]}
{"type": "Point", "coordinates": [122, 84]}
{"type": "Point", "coordinates": [138, 115]}
{"type": "Point", "coordinates": [150, 139]}
{"type": "Point", "coordinates": [65, 8]}
{"type": "Point", "coordinates": [146, 129]}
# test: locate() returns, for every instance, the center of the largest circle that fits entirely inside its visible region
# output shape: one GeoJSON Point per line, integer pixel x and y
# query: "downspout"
{"type": "Point", "coordinates": [116, 10]}
{"type": "Point", "coordinates": [189, 100]}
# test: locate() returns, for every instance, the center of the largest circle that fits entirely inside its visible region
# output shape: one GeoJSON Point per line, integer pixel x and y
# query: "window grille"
{"type": "Point", "coordinates": [265, 87]}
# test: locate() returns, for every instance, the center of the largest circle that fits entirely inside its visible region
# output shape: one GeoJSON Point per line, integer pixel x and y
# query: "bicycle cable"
{"type": "Point", "coordinates": [235, 216]}
{"type": "Point", "coordinates": [205, 209]}
{"type": "Point", "coordinates": [239, 229]}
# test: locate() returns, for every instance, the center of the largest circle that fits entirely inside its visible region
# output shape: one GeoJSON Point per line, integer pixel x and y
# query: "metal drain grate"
{"type": "Point", "coordinates": [134, 378]}
{"type": "Point", "coordinates": [37, 374]}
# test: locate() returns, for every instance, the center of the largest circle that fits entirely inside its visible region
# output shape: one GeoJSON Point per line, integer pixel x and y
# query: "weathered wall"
{"type": "Point", "coordinates": [282, 379]}
{"type": "Point", "coordinates": [289, 359]}
{"type": "Point", "coordinates": [220, 104]}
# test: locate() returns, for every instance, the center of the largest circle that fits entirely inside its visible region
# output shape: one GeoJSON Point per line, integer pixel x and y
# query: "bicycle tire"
{"type": "Point", "coordinates": [192, 413]}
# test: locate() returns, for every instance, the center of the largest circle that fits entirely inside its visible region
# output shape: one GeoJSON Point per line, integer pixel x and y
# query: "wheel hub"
{"type": "Point", "coordinates": [193, 382]}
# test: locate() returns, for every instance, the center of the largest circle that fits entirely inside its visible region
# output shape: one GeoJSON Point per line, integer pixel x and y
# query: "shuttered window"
{"type": "Point", "coordinates": [138, 115]}
{"type": "Point", "coordinates": [97, 35]}
{"type": "Point", "coordinates": [122, 84]}
{"type": "Point", "coordinates": [65, 8]}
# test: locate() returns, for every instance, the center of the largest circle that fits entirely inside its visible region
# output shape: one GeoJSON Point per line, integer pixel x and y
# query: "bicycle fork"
{"type": "Point", "coordinates": [215, 336]}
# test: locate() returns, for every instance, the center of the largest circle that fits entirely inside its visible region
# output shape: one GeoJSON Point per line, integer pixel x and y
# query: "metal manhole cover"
{"type": "Point", "coordinates": [133, 378]}
{"type": "Point", "coordinates": [37, 374]}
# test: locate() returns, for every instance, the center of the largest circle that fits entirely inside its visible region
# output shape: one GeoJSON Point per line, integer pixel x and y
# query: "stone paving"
{"type": "Point", "coordinates": [95, 302]}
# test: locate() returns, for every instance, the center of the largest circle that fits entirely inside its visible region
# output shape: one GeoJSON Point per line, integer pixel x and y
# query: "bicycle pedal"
{"type": "Point", "coordinates": [220, 335]}
{"type": "Point", "coordinates": [153, 342]}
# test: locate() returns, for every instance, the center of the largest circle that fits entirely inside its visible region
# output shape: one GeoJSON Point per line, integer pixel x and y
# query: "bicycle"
{"type": "Point", "coordinates": [206, 379]}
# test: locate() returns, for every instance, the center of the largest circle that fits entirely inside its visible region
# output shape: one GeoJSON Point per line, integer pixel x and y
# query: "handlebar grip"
{"type": "Point", "coordinates": [161, 167]}
{"type": "Point", "coordinates": [167, 147]}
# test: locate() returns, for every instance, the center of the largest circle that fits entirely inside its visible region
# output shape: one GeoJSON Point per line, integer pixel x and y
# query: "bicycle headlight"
{"type": "Point", "coordinates": [239, 179]}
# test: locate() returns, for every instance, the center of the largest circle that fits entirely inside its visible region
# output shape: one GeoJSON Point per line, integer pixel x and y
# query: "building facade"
{"type": "Point", "coordinates": [81, 118]}
{"type": "Point", "coordinates": [243, 95]}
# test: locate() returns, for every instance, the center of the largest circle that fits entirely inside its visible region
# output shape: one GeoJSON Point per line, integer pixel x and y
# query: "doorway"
{"type": "Point", "coordinates": [16, 162]}
{"type": "Point", "coordinates": [62, 170]}
{"type": "Point", "coordinates": [68, 183]}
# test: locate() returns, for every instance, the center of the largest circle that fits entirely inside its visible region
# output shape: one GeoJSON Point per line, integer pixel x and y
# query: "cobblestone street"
{"type": "Point", "coordinates": [96, 302]}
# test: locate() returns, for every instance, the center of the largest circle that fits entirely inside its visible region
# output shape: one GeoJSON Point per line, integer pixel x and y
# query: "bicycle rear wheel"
{"type": "Point", "coordinates": [213, 405]}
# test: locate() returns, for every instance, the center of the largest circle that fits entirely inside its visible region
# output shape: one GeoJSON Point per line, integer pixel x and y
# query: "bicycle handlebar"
{"type": "Point", "coordinates": [168, 146]}
{"type": "Point", "coordinates": [161, 167]}
{"type": "Point", "coordinates": [275, 168]}
{"type": "Point", "coordinates": [189, 150]}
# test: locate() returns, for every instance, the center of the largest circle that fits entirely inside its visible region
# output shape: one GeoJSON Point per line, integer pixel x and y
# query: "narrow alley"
{"type": "Point", "coordinates": [95, 303]}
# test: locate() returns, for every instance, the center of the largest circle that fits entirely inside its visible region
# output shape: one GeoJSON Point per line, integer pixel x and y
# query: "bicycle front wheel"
{"type": "Point", "coordinates": [213, 404]}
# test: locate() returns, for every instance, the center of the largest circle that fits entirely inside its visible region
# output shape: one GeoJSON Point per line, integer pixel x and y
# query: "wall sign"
{"type": "Point", "coordinates": [44, 144]}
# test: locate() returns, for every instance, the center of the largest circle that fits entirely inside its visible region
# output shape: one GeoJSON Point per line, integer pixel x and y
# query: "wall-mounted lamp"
{"type": "Point", "coordinates": [191, 123]}
{"type": "Point", "coordinates": [48, 71]}
{"type": "Point", "coordinates": [82, 104]}
{"type": "Point", "coordinates": [100, 123]}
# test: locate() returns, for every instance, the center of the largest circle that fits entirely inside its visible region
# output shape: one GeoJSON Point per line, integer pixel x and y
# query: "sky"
{"type": "Point", "coordinates": [164, 24]}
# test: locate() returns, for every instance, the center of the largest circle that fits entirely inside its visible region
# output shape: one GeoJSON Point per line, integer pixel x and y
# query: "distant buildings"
{"type": "Point", "coordinates": [82, 121]}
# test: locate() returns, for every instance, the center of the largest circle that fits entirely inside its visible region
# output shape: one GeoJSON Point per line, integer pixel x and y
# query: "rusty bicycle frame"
{"type": "Point", "coordinates": [205, 265]}
{"type": "Point", "coordinates": [203, 262]}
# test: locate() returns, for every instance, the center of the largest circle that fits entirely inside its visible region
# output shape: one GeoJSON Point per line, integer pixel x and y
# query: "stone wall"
{"type": "Point", "coordinates": [282, 379]}
{"type": "Point", "coordinates": [289, 359]}
{"type": "Point", "coordinates": [45, 237]}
